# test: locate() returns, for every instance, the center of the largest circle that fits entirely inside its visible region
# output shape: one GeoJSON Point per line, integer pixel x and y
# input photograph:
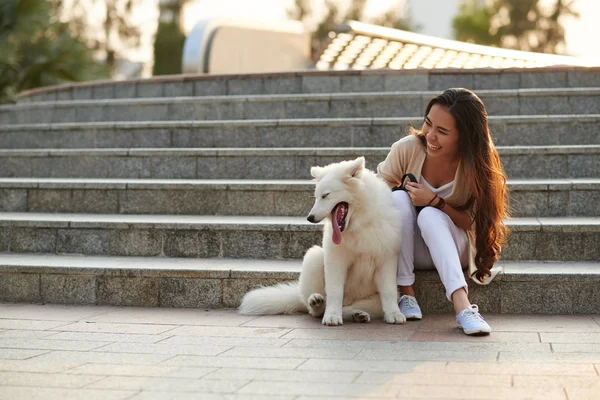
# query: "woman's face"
{"type": "Point", "coordinates": [440, 131]}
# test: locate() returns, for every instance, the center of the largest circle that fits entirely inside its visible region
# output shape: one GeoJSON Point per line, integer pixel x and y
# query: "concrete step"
{"type": "Point", "coordinates": [257, 237]}
{"type": "Point", "coordinates": [321, 82]}
{"type": "Point", "coordinates": [522, 162]}
{"type": "Point", "coordinates": [349, 105]}
{"type": "Point", "coordinates": [522, 287]}
{"type": "Point", "coordinates": [315, 132]}
{"type": "Point", "coordinates": [528, 198]}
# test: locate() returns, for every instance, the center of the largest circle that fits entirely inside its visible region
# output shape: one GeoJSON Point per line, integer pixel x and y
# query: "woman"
{"type": "Point", "coordinates": [462, 186]}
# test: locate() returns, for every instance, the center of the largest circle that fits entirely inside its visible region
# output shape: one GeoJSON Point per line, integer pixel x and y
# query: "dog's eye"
{"type": "Point", "coordinates": [325, 195]}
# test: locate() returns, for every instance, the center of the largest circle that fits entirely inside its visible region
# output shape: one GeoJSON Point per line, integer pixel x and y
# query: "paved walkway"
{"type": "Point", "coordinates": [67, 352]}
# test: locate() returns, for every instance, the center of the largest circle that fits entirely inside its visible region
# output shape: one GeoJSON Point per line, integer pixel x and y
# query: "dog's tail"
{"type": "Point", "coordinates": [283, 298]}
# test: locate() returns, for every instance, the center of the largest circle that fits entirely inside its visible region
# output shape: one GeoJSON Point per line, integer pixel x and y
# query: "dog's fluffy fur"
{"type": "Point", "coordinates": [353, 276]}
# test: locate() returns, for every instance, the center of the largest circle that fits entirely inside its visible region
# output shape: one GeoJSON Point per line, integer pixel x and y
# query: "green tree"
{"type": "Point", "coordinates": [517, 24]}
{"type": "Point", "coordinates": [36, 49]}
{"type": "Point", "coordinates": [169, 39]}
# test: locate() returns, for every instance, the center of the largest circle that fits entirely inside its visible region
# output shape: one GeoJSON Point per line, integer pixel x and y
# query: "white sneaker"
{"type": "Point", "coordinates": [409, 307]}
{"type": "Point", "coordinates": [471, 322]}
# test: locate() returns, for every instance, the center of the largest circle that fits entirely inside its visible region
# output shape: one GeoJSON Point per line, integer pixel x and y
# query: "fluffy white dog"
{"type": "Point", "coordinates": [353, 276]}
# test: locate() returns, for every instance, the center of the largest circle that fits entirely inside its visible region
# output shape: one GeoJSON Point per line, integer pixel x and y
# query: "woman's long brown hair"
{"type": "Point", "coordinates": [485, 175]}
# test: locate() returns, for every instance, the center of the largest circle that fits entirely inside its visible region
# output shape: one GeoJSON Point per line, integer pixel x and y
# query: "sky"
{"type": "Point", "coordinates": [579, 32]}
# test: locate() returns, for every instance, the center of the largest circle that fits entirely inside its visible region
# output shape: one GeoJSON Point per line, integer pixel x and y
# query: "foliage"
{"type": "Point", "coordinates": [36, 49]}
{"type": "Point", "coordinates": [168, 49]}
{"type": "Point", "coordinates": [517, 24]}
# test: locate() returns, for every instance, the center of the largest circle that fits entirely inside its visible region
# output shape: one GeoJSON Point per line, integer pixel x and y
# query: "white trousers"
{"type": "Point", "coordinates": [430, 239]}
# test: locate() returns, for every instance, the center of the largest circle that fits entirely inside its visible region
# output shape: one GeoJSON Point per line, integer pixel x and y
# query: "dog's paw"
{"type": "Point", "coordinates": [332, 319]}
{"type": "Point", "coordinates": [361, 316]}
{"type": "Point", "coordinates": [316, 300]}
{"type": "Point", "coordinates": [395, 317]}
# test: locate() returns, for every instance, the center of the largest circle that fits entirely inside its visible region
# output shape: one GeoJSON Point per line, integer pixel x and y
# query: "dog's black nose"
{"type": "Point", "coordinates": [311, 218]}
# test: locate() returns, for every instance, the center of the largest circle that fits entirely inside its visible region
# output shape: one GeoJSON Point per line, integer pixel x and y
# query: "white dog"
{"type": "Point", "coordinates": [353, 276]}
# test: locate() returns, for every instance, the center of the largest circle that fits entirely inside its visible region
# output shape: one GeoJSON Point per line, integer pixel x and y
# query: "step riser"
{"type": "Point", "coordinates": [359, 106]}
{"type": "Point", "coordinates": [277, 134]}
{"type": "Point", "coordinates": [320, 83]}
{"type": "Point", "coordinates": [263, 166]}
{"type": "Point", "coordinates": [226, 289]}
{"type": "Point", "coordinates": [531, 203]}
{"type": "Point", "coordinates": [256, 243]}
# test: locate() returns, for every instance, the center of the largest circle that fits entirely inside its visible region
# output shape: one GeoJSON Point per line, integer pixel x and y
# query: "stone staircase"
{"type": "Point", "coordinates": [188, 191]}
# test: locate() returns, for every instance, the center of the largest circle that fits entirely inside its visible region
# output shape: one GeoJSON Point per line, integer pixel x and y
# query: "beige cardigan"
{"type": "Point", "coordinates": [407, 156]}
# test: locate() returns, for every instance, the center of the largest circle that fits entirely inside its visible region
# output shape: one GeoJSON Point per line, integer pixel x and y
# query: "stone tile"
{"type": "Point", "coordinates": [122, 370]}
{"type": "Point", "coordinates": [55, 312]}
{"type": "Point", "coordinates": [224, 110]}
{"type": "Point", "coordinates": [251, 244]}
{"type": "Point", "coordinates": [83, 241]}
{"type": "Point", "coordinates": [321, 84]}
{"type": "Point", "coordinates": [178, 89]}
{"type": "Point", "coordinates": [328, 389]}
{"type": "Point", "coordinates": [387, 332]}
{"type": "Point", "coordinates": [362, 83]}
{"type": "Point", "coordinates": [373, 366]}
{"type": "Point", "coordinates": [295, 244]}
{"type": "Point", "coordinates": [78, 357]}
{"type": "Point", "coordinates": [522, 368]}
{"type": "Point", "coordinates": [226, 341]}
{"type": "Point", "coordinates": [309, 109]}
{"type": "Point", "coordinates": [218, 331]}
{"type": "Point", "coordinates": [169, 384]}
{"type": "Point", "coordinates": [535, 298]}
{"type": "Point", "coordinates": [50, 344]}
{"type": "Point", "coordinates": [210, 87]}
{"type": "Point", "coordinates": [19, 392]}
{"type": "Point", "coordinates": [125, 90]}
{"type": "Point", "coordinates": [541, 105]}
{"type": "Point", "coordinates": [236, 362]}
{"type": "Point", "coordinates": [581, 358]}
{"type": "Point", "coordinates": [570, 337]}
{"type": "Point", "coordinates": [290, 352]}
{"type": "Point", "coordinates": [128, 291]}
{"type": "Point", "coordinates": [538, 79]}
{"type": "Point", "coordinates": [205, 293]}
{"type": "Point", "coordinates": [19, 287]}
{"type": "Point", "coordinates": [248, 85]}
{"type": "Point", "coordinates": [441, 82]}
{"type": "Point", "coordinates": [418, 379]}
{"type": "Point", "coordinates": [46, 380]}
{"type": "Point", "coordinates": [282, 84]}
{"type": "Point", "coordinates": [108, 337]}
{"type": "Point", "coordinates": [163, 348]}
{"type": "Point", "coordinates": [128, 167]}
{"type": "Point", "coordinates": [405, 82]}
{"type": "Point", "coordinates": [583, 104]}
{"type": "Point", "coordinates": [13, 200]}
{"type": "Point", "coordinates": [456, 335]}
{"type": "Point", "coordinates": [33, 240]}
{"type": "Point", "coordinates": [105, 327]}
{"type": "Point", "coordinates": [275, 167]}
{"type": "Point", "coordinates": [283, 375]}
{"type": "Point", "coordinates": [135, 242]}
{"type": "Point", "coordinates": [542, 323]}
{"type": "Point", "coordinates": [149, 89]}
{"type": "Point", "coordinates": [582, 393]}
{"type": "Point", "coordinates": [521, 246]}
{"type": "Point", "coordinates": [33, 365]}
{"type": "Point", "coordinates": [583, 78]}
{"type": "Point", "coordinates": [95, 201]}
{"type": "Point", "coordinates": [503, 80]}
{"type": "Point", "coordinates": [17, 354]}
{"type": "Point", "coordinates": [82, 93]}
{"type": "Point", "coordinates": [576, 347]}
{"type": "Point", "coordinates": [144, 201]}
{"type": "Point", "coordinates": [557, 381]}
{"type": "Point", "coordinates": [68, 289]}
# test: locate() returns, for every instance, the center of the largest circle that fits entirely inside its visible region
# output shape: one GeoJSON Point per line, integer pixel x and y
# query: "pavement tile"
{"type": "Point", "coordinates": [576, 347]}
{"type": "Point", "coordinates": [25, 334]}
{"type": "Point", "coordinates": [45, 344]}
{"type": "Point", "coordinates": [235, 362]}
{"type": "Point", "coordinates": [162, 348]}
{"type": "Point", "coordinates": [30, 324]}
{"type": "Point", "coordinates": [175, 316]}
{"type": "Point", "coordinates": [218, 331]}
{"type": "Point", "coordinates": [19, 354]}
{"type": "Point", "coordinates": [226, 341]}
{"type": "Point", "coordinates": [474, 392]}
{"type": "Point", "coordinates": [34, 365]}
{"type": "Point", "coordinates": [587, 382]}
{"type": "Point", "coordinates": [457, 335]}
{"type": "Point", "coordinates": [554, 357]}
{"type": "Point", "coordinates": [283, 375]}
{"type": "Point", "coordinates": [321, 389]}
{"type": "Point", "coordinates": [435, 379]}
{"type": "Point", "coordinates": [168, 384]}
{"type": "Point", "coordinates": [515, 368]}
{"type": "Point", "coordinates": [570, 337]}
{"type": "Point", "coordinates": [419, 355]}
{"type": "Point", "coordinates": [15, 392]}
{"type": "Point", "coordinates": [51, 312]}
{"type": "Point", "coordinates": [542, 323]}
{"type": "Point", "coordinates": [149, 395]}
{"type": "Point", "coordinates": [77, 357]}
{"type": "Point", "coordinates": [44, 380]}
{"type": "Point", "coordinates": [289, 352]}
{"type": "Point", "coordinates": [395, 332]}
{"type": "Point", "coordinates": [84, 326]}
{"type": "Point", "coordinates": [108, 337]}
{"type": "Point", "coordinates": [306, 321]}
{"type": "Point", "coordinates": [371, 365]}
{"type": "Point", "coordinates": [122, 370]}
{"type": "Point", "coordinates": [582, 394]}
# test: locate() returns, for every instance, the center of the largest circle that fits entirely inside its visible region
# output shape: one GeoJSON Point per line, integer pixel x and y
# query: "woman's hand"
{"type": "Point", "coordinates": [419, 194]}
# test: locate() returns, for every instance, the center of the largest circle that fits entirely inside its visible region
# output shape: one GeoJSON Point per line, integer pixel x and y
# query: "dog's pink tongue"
{"type": "Point", "coordinates": [337, 233]}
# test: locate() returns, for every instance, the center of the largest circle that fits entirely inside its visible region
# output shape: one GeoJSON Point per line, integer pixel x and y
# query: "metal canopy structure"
{"type": "Point", "coordinates": [356, 45]}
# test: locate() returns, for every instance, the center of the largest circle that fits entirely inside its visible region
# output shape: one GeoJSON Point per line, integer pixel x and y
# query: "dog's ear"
{"type": "Point", "coordinates": [356, 167]}
{"type": "Point", "coordinates": [317, 172]}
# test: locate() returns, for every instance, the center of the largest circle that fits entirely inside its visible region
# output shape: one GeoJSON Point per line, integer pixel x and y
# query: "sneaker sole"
{"type": "Point", "coordinates": [474, 333]}
{"type": "Point", "coordinates": [413, 317]}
